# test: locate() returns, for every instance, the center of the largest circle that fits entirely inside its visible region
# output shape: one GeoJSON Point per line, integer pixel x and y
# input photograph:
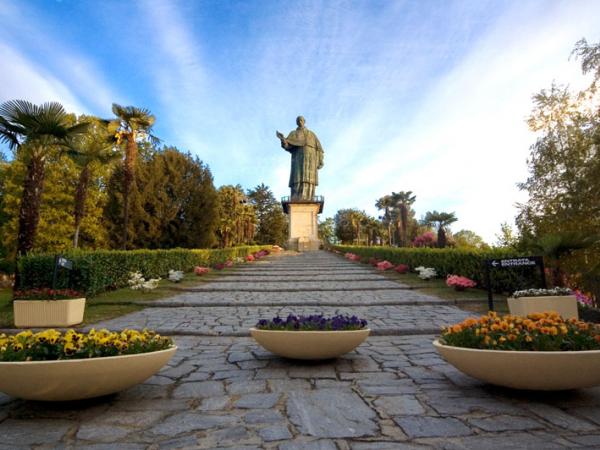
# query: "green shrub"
{"type": "Point", "coordinates": [97, 271]}
{"type": "Point", "coordinates": [451, 261]}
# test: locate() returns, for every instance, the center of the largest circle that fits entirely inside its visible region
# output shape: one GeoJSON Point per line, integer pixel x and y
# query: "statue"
{"type": "Point", "coordinates": [307, 159]}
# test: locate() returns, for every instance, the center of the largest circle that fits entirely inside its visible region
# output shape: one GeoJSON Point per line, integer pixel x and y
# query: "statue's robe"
{"type": "Point", "coordinates": [307, 158]}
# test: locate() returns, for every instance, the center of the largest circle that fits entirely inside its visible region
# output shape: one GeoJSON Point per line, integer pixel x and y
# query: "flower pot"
{"type": "Point", "coordinates": [565, 305]}
{"type": "Point", "coordinates": [543, 371]}
{"type": "Point", "coordinates": [48, 313]}
{"type": "Point", "coordinates": [309, 344]}
{"type": "Point", "coordinates": [76, 379]}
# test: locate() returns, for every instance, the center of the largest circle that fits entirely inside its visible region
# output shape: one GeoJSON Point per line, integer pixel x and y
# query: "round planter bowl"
{"type": "Point", "coordinates": [77, 379]}
{"type": "Point", "coordinates": [310, 345]}
{"type": "Point", "coordinates": [538, 371]}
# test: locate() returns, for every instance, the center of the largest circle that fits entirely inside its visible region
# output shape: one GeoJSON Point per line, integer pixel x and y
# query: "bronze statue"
{"type": "Point", "coordinates": [307, 159]}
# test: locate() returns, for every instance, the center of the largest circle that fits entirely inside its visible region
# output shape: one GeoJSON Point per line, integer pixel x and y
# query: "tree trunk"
{"type": "Point", "coordinates": [29, 210]}
{"type": "Point", "coordinates": [128, 180]}
{"type": "Point", "coordinates": [404, 218]}
{"type": "Point", "coordinates": [441, 237]}
{"type": "Point", "coordinates": [80, 196]}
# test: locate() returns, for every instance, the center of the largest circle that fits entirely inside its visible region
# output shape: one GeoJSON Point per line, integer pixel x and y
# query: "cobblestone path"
{"type": "Point", "coordinates": [393, 392]}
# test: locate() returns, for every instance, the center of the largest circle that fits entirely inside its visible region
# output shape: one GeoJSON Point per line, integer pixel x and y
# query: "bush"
{"type": "Point", "coordinates": [447, 261]}
{"type": "Point", "coordinates": [97, 271]}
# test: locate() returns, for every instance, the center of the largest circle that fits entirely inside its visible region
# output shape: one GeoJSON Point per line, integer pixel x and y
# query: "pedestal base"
{"type": "Point", "coordinates": [303, 226]}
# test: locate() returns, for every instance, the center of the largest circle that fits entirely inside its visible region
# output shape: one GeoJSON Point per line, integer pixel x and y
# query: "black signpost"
{"type": "Point", "coordinates": [508, 263]}
{"type": "Point", "coordinates": [60, 262]}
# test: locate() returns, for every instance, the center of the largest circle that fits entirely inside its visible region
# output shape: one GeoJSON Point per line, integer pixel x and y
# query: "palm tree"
{"type": "Point", "coordinates": [385, 204]}
{"type": "Point", "coordinates": [34, 132]}
{"type": "Point", "coordinates": [130, 126]}
{"type": "Point", "coordinates": [402, 201]}
{"type": "Point", "coordinates": [85, 150]}
{"type": "Point", "coordinates": [558, 245]}
{"type": "Point", "coordinates": [441, 220]}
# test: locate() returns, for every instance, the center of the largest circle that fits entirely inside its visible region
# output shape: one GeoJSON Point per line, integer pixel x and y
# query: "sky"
{"type": "Point", "coordinates": [429, 96]}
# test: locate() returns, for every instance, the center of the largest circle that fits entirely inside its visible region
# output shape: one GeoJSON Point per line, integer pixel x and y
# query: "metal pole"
{"type": "Point", "coordinates": [54, 277]}
{"type": "Point", "coordinates": [544, 284]}
{"type": "Point", "coordinates": [488, 282]}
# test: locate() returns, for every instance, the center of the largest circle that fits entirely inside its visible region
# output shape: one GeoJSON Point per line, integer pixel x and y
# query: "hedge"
{"type": "Point", "coordinates": [97, 271]}
{"type": "Point", "coordinates": [451, 261]}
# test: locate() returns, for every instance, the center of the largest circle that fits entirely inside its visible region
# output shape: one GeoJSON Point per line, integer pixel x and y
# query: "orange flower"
{"type": "Point", "coordinates": [456, 328]}
{"type": "Point", "coordinates": [512, 337]}
{"type": "Point", "coordinates": [495, 327]}
{"type": "Point", "coordinates": [504, 326]}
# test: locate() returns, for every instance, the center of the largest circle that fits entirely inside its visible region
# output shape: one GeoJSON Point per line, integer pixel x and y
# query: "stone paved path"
{"type": "Point", "coordinates": [393, 392]}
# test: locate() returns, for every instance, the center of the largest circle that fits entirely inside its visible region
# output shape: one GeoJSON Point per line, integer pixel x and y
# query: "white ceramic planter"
{"type": "Point", "coordinates": [76, 379]}
{"type": "Point", "coordinates": [309, 344]}
{"type": "Point", "coordinates": [540, 371]}
{"type": "Point", "coordinates": [565, 305]}
{"type": "Point", "coordinates": [48, 313]}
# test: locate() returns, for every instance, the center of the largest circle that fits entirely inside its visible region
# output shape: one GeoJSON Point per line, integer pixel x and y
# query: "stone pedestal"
{"type": "Point", "coordinates": [303, 225]}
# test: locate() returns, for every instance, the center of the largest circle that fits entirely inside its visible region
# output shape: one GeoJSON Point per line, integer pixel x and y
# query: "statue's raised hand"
{"type": "Point", "coordinates": [280, 135]}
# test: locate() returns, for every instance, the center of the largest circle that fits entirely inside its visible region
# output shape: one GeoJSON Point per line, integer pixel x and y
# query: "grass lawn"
{"type": "Point", "coordinates": [471, 299]}
{"type": "Point", "coordinates": [113, 303]}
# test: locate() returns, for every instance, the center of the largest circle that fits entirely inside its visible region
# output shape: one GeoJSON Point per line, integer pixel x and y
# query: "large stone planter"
{"type": "Point", "coordinates": [543, 371]}
{"type": "Point", "coordinates": [565, 305]}
{"type": "Point", "coordinates": [48, 313]}
{"type": "Point", "coordinates": [77, 379]}
{"type": "Point", "coordinates": [311, 345]}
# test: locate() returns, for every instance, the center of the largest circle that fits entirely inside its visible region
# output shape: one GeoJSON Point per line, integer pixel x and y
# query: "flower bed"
{"type": "Point", "coordinates": [55, 366]}
{"type": "Point", "coordinates": [402, 268]}
{"type": "Point", "coordinates": [311, 337]}
{"type": "Point", "coordinates": [537, 332]}
{"type": "Point", "coordinates": [313, 323]}
{"type": "Point", "coordinates": [46, 294]}
{"type": "Point", "coordinates": [198, 270]}
{"type": "Point", "coordinates": [542, 351]}
{"type": "Point", "coordinates": [384, 265]}
{"type": "Point", "coordinates": [50, 345]}
{"type": "Point", "coordinates": [459, 283]}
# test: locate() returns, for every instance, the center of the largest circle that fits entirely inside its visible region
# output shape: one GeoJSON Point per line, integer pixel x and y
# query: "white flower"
{"type": "Point", "coordinates": [175, 276]}
{"type": "Point", "coordinates": [558, 291]}
{"type": "Point", "coordinates": [137, 282]}
{"type": "Point", "coordinates": [426, 273]}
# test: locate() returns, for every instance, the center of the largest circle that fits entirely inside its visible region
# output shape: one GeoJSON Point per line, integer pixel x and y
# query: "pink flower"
{"type": "Point", "coordinates": [426, 239]}
{"type": "Point", "coordinates": [220, 266]}
{"type": "Point", "coordinates": [249, 258]}
{"type": "Point", "coordinates": [229, 263]}
{"type": "Point", "coordinates": [459, 283]}
{"type": "Point", "coordinates": [401, 268]}
{"type": "Point", "coordinates": [384, 265]}
{"type": "Point", "coordinates": [583, 299]}
{"type": "Point", "coordinates": [198, 270]}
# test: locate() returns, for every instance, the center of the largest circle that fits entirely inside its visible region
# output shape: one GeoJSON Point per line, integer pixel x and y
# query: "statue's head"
{"type": "Point", "coordinates": [300, 121]}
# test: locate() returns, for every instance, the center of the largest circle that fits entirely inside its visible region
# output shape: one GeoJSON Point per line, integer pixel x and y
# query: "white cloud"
{"type": "Point", "coordinates": [26, 80]}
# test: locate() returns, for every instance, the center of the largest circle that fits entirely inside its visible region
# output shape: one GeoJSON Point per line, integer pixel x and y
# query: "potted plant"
{"type": "Point", "coordinates": [541, 351]}
{"type": "Point", "coordinates": [311, 337]}
{"type": "Point", "coordinates": [47, 307]}
{"type": "Point", "coordinates": [561, 300]}
{"type": "Point", "coordinates": [55, 366]}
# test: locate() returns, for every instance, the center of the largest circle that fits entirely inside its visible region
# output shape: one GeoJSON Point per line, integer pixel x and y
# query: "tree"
{"type": "Point", "coordinates": [441, 220]}
{"type": "Point", "coordinates": [507, 237]}
{"type": "Point", "coordinates": [272, 223]}
{"type": "Point", "coordinates": [56, 222]}
{"type": "Point", "coordinates": [385, 203]}
{"type": "Point", "coordinates": [469, 239]}
{"type": "Point", "coordinates": [237, 218]}
{"type": "Point", "coordinates": [130, 126]}
{"type": "Point", "coordinates": [327, 231]}
{"type": "Point", "coordinates": [556, 246]}
{"type": "Point", "coordinates": [402, 201]}
{"type": "Point", "coordinates": [90, 152]}
{"type": "Point", "coordinates": [173, 204]}
{"type": "Point", "coordinates": [34, 133]}
{"type": "Point", "coordinates": [348, 223]}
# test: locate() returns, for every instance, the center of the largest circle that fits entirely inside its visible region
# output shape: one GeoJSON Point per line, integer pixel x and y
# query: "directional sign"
{"type": "Point", "coordinates": [509, 263]}
{"type": "Point", "coordinates": [524, 261]}
{"type": "Point", "coordinates": [64, 263]}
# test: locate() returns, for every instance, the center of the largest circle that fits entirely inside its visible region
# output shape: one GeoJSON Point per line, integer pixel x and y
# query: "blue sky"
{"type": "Point", "coordinates": [428, 96]}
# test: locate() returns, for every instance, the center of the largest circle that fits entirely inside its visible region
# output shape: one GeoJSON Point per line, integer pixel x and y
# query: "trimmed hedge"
{"type": "Point", "coordinates": [97, 271]}
{"type": "Point", "coordinates": [451, 261]}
